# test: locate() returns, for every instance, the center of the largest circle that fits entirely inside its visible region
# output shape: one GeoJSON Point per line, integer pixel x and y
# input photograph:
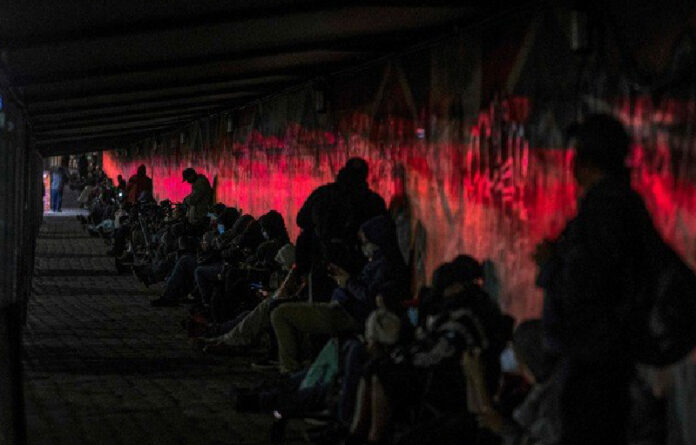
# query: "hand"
{"type": "Point", "coordinates": [338, 274]}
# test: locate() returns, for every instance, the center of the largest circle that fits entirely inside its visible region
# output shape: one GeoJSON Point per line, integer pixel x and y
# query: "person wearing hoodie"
{"type": "Point", "coordinates": [352, 301]}
{"type": "Point", "coordinates": [138, 184]}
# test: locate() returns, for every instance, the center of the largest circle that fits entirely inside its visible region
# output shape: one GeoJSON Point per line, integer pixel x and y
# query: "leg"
{"type": "Point", "coordinates": [206, 279]}
{"type": "Point", "coordinates": [179, 282]}
{"type": "Point", "coordinates": [59, 202]}
{"type": "Point", "coordinates": [293, 319]}
{"type": "Point", "coordinates": [54, 200]}
{"type": "Point", "coordinates": [354, 357]}
{"type": "Point", "coordinates": [249, 329]}
{"type": "Point", "coordinates": [381, 412]}
{"type": "Point", "coordinates": [361, 417]}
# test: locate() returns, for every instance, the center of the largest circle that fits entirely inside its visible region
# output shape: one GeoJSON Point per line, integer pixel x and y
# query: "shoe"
{"type": "Point", "coordinates": [265, 365]}
{"type": "Point", "coordinates": [163, 302]}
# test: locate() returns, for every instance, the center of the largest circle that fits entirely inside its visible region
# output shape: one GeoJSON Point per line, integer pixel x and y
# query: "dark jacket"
{"type": "Point", "coordinates": [137, 185]}
{"type": "Point", "coordinates": [199, 200]}
{"type": "Point", "coordinates": [589, 276]}
{"type": "Point", "coordinates": [386, 267]}
{"type": "Point", "coordinates": [332, 214]}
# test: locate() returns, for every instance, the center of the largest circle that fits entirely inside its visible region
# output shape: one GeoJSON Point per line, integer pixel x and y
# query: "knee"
{"type": "Point", "coordinates": [281, 315]}
{"type": "Point", "coordinates": [277, 315]}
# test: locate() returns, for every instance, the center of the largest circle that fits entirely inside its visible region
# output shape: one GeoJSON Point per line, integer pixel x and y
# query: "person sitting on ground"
{"type": "Point", "coordinates": [535, 421]}
{"type": "Point", "coordinates": [181, 281]}
{"type": "Point", "coordinates": [466, 319]}
{"type": "Point", "coordinates": [352, 301]}
{"type": "Point", "coordinates": [265, 238]}
{"type": "Point", "coordinates": [138, 184]}
{"type": "Point", "coordinates": [238, 337]}
{"type": "Point", "coordinates": [250, 271]}
{"type": "Point", "coordinates": [385, 328]}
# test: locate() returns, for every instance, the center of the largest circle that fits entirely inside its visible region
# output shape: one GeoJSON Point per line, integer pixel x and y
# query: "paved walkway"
{"type": "Point", "coordinates": [103, 367]}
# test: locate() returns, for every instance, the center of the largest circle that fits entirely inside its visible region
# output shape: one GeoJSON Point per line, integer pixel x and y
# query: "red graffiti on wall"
{"type": "Point", "coordinates": [490, 195]}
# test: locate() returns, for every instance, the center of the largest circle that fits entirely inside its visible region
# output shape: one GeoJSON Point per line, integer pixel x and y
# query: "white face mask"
{"type": "Point", "coordinates": [369, 249]}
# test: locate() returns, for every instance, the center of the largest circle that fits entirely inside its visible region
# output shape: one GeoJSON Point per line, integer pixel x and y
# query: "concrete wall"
{"type": "Point", "coordinates": [469, 132]}
{"type": "Point", "coordinates": [20, 217]}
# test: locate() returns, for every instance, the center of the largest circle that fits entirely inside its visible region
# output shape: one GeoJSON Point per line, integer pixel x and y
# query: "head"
{"type": "Point", "coordinates": [189, 175]}
{"type": "Point", "coordinates": [142, 171]}
{"type": "Point", "coordinates": [218, 209]}
{"type": "Point", "coordinates": [601, 148]}
{"type": "Point", "coordinates": [527, 342]}
{"type": "Point", "coordinates": [354, 173]}
{"type": "Point", "coordinates": [450, 278]}
{"type": "Point", "coordinates": [228, 217]}
{"type": "Point", "coordinates": [379, 235]}
{"type": "Point", "coordinates": [119, 178]}
{"type": "Point", "coordinates": [273, 226]}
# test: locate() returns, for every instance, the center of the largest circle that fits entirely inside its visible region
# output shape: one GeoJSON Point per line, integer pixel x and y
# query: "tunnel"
{"type": "Point", "coordinates": [470, 123]}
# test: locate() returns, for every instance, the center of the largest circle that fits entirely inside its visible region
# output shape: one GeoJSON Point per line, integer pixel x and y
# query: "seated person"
{"type": "Point", "coordinates": [352, 301]}
{"type": "Point", "coordinates": [467, 319]}
{"type": "Point", "coordinates": [181, 280]}
{"type": "Point", "coordinates": [273, 236]}
{"type": "Point", "coordinates": [535, 420]}
{"type": "Point", "coordinates": [249, 330]}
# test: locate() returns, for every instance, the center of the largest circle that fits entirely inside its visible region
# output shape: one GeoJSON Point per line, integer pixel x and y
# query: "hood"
{"type": "Point", "coordinates": [381, 231]}
{"type": "Point", "coordinates": [273, 223]}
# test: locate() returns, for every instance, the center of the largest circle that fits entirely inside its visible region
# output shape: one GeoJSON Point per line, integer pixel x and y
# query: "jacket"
{"type": "Point", "coordinates": [199, 200]}
{"type": "Point", "coordinates": [386, 267]}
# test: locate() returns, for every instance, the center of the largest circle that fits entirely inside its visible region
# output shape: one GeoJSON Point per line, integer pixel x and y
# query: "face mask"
{"type": "Point", "coordinates": [221, 229]}
{"type": "Point", "coordinates": [369, 249]}
{"type": "Point", "coordinates": [507, 361]}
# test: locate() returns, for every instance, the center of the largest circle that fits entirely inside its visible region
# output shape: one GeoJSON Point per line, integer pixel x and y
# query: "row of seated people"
{"type": "Point", "coordinates": [336, 314]}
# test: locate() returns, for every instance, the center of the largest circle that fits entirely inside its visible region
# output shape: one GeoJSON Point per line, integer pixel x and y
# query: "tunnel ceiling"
{"type": "Point", "coordinates": [94, 74]}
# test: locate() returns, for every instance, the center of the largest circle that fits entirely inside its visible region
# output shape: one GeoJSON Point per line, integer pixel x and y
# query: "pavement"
{"type": "Point", "coordinates": [103, 367]}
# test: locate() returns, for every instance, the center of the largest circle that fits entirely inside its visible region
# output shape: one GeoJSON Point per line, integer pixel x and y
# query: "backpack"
{"type": "Point", "coordinates": [664, 329]}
